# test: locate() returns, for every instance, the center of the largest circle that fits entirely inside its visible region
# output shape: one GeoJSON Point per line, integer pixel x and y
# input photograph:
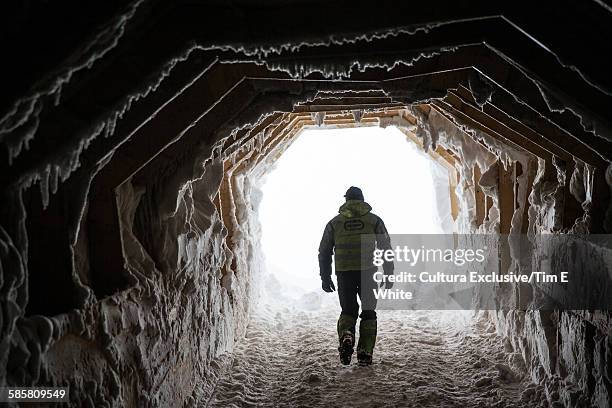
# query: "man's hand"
{"type": "Point", "coordinates": [327, 284]}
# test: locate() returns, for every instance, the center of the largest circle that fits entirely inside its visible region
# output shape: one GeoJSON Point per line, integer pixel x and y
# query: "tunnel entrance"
{"type": "Point", "coordinates": [306, 186]}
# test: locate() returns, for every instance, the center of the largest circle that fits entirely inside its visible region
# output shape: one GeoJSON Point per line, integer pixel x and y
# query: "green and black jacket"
{"type": "Point", "coordinates": [350, 237]}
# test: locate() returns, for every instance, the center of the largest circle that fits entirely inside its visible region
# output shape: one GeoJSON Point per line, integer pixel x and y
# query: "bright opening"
{"type": "Point", "coordinates": [404, 186]}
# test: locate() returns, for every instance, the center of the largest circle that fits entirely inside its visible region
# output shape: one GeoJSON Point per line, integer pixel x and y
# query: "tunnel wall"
{"type": "Point", "coordinates": [566, 352]}
{"type": "Point", "coordinates": [159, 341]}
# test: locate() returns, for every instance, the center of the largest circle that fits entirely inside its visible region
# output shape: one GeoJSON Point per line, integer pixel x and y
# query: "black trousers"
{"type": "Point", "coordinates": [350, 286]}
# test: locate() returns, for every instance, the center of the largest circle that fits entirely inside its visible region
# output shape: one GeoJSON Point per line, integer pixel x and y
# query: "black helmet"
{"type": "Point", "coordinates": [354, 193]}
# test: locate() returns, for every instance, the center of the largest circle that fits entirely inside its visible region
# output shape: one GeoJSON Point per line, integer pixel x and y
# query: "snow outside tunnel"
{"type": "Point", "coordinates": [304, 190]}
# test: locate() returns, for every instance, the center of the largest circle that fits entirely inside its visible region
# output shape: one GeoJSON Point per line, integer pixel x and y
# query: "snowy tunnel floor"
{"type": "Point", "coordinates": [422, 358]}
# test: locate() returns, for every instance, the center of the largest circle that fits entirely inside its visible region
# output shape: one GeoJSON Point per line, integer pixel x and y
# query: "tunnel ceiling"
{"type": "Point", "coordinates": [156, 49]}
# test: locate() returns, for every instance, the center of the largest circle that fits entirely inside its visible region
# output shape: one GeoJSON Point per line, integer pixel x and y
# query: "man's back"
{"type": "Point", "coordinates": [354, 230]}
{"type": "Point", "coordinates": [349, 235]}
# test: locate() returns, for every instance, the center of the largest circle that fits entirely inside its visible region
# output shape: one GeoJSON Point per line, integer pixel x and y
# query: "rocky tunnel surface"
{"type": "Point", "coordinates": [134, 140]}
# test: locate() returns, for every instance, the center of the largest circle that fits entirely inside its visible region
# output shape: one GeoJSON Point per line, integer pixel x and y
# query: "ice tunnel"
{"type": "Point", "coordinates": [136, 137]}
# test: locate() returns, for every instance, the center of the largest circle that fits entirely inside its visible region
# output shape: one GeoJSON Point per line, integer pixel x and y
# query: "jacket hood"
{"type": "Point", "coordinates": [354, 208]}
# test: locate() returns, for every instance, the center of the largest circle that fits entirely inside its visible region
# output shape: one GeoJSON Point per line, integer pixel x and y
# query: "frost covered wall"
{"type": "Point", "coordinates": [156, 342]}
{"type": "Point", "coordinates": [567, 353]}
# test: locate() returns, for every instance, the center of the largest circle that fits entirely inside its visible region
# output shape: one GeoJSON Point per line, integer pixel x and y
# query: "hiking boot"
{"type": "Point", "coordinates": [364, 359]}
{"type": "Point", "coordinates": [346, 337]}
{"type": "Point", "coordinates": [346, 348]}
{"type": "Point", "coordinates": [367, 340]}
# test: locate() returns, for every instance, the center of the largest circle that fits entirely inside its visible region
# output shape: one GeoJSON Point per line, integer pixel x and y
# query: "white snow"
{"type": "Point", "coordinates": [422, 358]}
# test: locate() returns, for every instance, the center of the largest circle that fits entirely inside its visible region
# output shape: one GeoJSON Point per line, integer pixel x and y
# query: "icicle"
{"type": "Point", "coordinates": [318, 118]}
{"type": "Point", "coordinates": [560, 169]}
{"type": "Point", "coordinates": [44, 186]}
{"type": "Point", "coordinates": [481, 89]}
{"type": "Point", "coordinates": [54, 176]}
{"type": "Point", "coordinates": [577, 182]}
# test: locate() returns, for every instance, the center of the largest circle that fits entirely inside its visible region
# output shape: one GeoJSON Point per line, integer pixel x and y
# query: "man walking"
{"type": "Point", "coordinates": [351, 238]}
